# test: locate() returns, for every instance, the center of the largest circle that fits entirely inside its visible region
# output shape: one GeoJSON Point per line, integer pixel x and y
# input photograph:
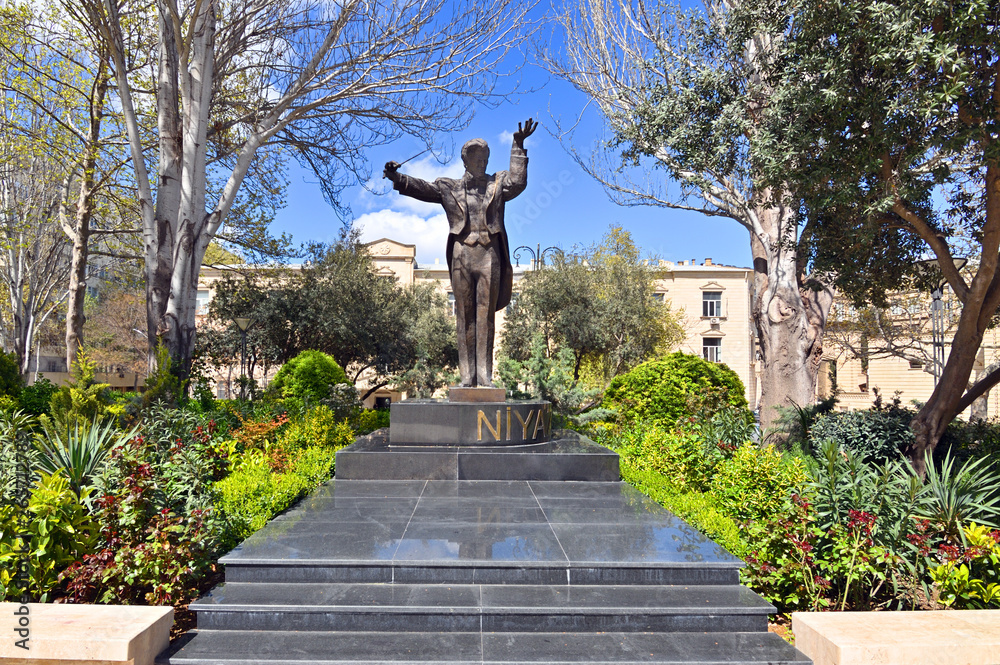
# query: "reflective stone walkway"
{"type": "Point", "coordinates": [425, 571]}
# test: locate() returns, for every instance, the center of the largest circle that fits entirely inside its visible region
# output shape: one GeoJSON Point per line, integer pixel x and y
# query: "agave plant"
{"type": "Point", "coordinates": [79, 453]}
{"type": "Point", "coordinates": [970, 493]}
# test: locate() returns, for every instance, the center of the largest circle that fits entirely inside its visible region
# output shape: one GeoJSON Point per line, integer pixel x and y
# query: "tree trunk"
{"type": "Point", "coordinates": [77, 286]}
{"type": "Point", "coordinates": [944, 403]}
{"type": "Point", "coordinates": [160, 238]}
{"type": "Point", "coordinates": [79, 233]}
{"type": "Point", "coordinates": [789, 319]}
{"type": "Point", "coordinates": [980, 305]}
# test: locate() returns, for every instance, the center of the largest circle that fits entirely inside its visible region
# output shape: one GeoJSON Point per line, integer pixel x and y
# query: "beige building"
{"type": "Point", "coordinates": [906, 330]}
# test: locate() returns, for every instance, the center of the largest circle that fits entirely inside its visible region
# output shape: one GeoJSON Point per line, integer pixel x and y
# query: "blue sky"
{"type": "Point", "coordinates": [562, 206]}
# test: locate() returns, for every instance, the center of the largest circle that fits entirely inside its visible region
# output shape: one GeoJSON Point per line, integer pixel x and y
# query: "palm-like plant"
{"type": "Point", "coordinates": [79, 453]}
{"type": "Point", "coordinates": [956, 497]}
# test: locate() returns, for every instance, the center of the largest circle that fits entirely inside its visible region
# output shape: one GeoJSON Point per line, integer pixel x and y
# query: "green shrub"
{"type": "Point", "coordinates": [81, 401]}
{"type": "Point", "coordinates": [370, 420]}
{"type": "Point", "coordinates": [970, 578]}
{"type": "Point", "coordinates": [163, 386]}
{"type": "Point", "coordinates": [308, 377]}
{"type": "Point", "coordinates": [79, 453]}
{"type": "Point", "coordinates": [675, 386]}
{"type": "Point", "coordinates": [61, 533]}
{"type": "Point", "coordinates": [678, 455]}
{"type": "Point", "coordinates": [17, 453]}
{"type": "Point", "coordinates": [344, 401]}
{"type": "Point", "coordinates": [957, 495]}
{"type": "Point", "coordinates": [150, 554]}
{"type": "Point", "coordinates": [185, 451]}
{"type": "Point", "coordinates": [754, 483]}
{"type": "Point", "coordinates": [873, 434]}
{"type": "Point", "coordinates": [11, 382]}
{"type": "Point", "coordinates": [842, 484]}
{"type": "Point", "coordinates": [696, 508]}
{"type": "Point", "coordinates": [316, 427]}
{"type": "Point", "coordinates": [36, 398]}
{"type": "Point", "coordinates": [253, 494]}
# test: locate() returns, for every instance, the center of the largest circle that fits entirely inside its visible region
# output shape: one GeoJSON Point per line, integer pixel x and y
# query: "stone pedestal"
{"type": "Point", "coordinates": [431, 422]}
{"type": "Point", "coordinates": [434, 439]}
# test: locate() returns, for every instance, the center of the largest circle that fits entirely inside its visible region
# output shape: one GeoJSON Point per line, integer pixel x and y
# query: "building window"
{"type": "Point", "coordinates": [711, 349]}
{"type": "Point", "coordinates": [660, 297]}
{"type": "Point", "coordinates": [201, 305]}
{"type": "Point", "coordinates": [916, 364]}
{"type": "Point", "coordinates": [711, 303]}
{"type": "Point", "coordinates": [451, 303]}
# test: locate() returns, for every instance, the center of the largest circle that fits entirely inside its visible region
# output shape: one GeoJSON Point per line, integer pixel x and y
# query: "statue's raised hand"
{"type": "Point", "coordinates": [523, 133]}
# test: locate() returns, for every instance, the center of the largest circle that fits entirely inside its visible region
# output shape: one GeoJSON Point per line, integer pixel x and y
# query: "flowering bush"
{"type": "Point", "coordinates": [969, 577]}
{"type": "Point", "coordinates": [149, 553]}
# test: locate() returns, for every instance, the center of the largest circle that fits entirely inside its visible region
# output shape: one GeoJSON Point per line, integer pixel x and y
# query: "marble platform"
{"type": "Point", "coordinates": [453, 571]}
{"type": "Point", "coordinates": [568, 456]}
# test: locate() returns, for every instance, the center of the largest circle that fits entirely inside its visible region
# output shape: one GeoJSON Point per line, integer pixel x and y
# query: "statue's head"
{"type": "Point", "coordinates": [476, 154]}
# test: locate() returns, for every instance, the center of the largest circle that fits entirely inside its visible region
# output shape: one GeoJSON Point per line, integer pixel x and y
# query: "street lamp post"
{"type": "Point", "coordinates": [931, 267]}
{"type": "Point", "coordinates": [537, 254]}
{"type": "Point", "coordinates": [243, 323]}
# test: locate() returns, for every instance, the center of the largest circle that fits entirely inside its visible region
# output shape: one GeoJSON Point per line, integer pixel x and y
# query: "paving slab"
{"type": "Point", "coordinates": [969, 637]}
{"type": "Point", "coordinates": [77, 634]}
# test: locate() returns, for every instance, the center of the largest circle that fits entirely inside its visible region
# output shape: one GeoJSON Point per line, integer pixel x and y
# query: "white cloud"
{"type": "Point", "coordinates": [506, 138]}
{"type": "Point", "coordinates": [430, 234]}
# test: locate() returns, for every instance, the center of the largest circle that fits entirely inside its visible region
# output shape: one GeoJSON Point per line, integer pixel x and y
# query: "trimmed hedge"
{"type": "Point", "coordinates": [675, 386]}
{"type": "Point", "coordinates": [308, 377]}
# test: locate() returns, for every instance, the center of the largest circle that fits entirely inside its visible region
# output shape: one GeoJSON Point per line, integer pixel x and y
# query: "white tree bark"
{"type": "Point", "coordinates": [325, 79]}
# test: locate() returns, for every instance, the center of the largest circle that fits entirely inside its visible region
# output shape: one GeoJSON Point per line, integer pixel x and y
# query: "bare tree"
{"type": "Point", "coordinates": [683, 97]}
{"type": "Point", "coordinates": [236, 80]}
{"type": "Point", "coordinates": [34, 258]}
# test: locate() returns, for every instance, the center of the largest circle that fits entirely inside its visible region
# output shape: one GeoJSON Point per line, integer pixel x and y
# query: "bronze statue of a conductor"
{"type": "Point", "coordinates": [477, 252]}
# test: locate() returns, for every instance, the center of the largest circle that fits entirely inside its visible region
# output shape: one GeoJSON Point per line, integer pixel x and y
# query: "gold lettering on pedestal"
{"type": "Point", "coordinates": [508, 423]}
{"type": "Point", "coordinates": [524, 424]}
{"type": "Point", "coordinates": [481, 418]}
{"type": "Point", "coordinates": [539, 424]}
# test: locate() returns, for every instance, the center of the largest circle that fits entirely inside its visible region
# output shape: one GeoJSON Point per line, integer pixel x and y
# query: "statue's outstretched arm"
{"type": "Point", "coordinates": [408, 185]}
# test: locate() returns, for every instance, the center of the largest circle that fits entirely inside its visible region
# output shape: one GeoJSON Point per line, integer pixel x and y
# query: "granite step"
{"type": "Point", "coordinates": [458, 608]}
{"type": "Point", "coordinates": [222, 647]}
{"type": "Point", "coordinates": [286, 572]}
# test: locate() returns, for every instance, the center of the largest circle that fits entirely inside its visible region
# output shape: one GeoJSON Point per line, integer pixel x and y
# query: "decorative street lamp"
{"type": "Point", "coordinates": [537, 254]}
{"type": "Point", "coordinates": [930, 267]}
{"type": "Point", "coordinates": [243, 323]}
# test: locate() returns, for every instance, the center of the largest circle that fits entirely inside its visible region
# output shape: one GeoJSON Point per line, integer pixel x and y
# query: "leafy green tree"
{"type": "Point", "coordinates": [337, 304]}
{"type": "Point", "coordinates": [682, 92]}
{"type": "Point", "coordinates": [435, 347]}
{"type": "Point", "coordinates": [80, 402]}
{"type": "Point", "coordinates": [887, 131]}
{"type": "Point", "coordinates": [10, 375]}
{"type": "Point", "coordinates": [57, 74]}
{"type": "Point", "coordinates": [599, 306]}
